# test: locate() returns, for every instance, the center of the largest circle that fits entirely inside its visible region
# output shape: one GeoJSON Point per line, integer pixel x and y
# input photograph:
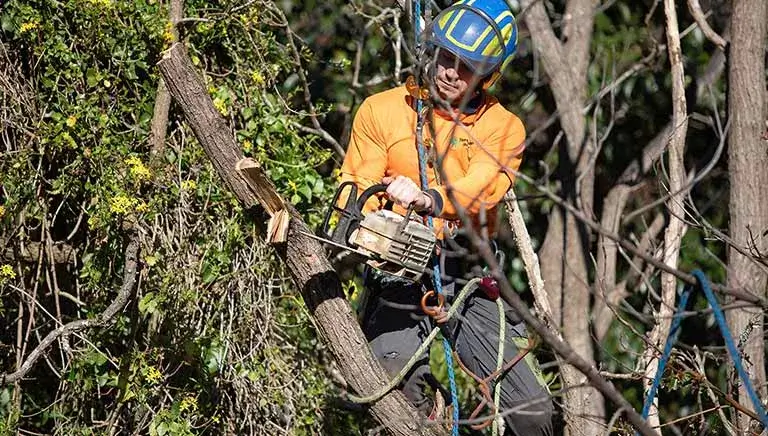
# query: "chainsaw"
{"type": "Point", "coordinates": [392, 243]}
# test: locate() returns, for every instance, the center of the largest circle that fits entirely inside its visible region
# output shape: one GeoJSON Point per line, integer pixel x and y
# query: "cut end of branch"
{"type": "Point", "coordinates": [265, 191]}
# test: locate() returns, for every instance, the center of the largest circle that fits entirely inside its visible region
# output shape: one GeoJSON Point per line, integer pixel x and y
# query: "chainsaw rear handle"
{"type": "Point", "coordinates": [368, 193]}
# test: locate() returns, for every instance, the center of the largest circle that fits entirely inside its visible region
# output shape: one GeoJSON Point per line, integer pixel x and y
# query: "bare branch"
{"type": "Point", "coordinates": [695, 8]}
{"type": "Point", "coordinates": [123, 295]}
{"type": "Point", "coordinates": [530, 260]}
{"type": "Point", "coordinates": [676, 228]}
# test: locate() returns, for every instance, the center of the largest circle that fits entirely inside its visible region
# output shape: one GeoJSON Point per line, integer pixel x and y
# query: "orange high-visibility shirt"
{"type": "Point", "coordinates": [479, 153]}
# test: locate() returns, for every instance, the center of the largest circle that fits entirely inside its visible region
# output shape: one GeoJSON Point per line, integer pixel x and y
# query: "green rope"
{"type": "Point", "coordinates": [499, 365]}
{"type": "Point", "coordinates": [465, 291]}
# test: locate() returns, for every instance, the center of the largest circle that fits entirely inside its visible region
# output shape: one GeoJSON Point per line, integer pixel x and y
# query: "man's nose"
{"type": "Point", "coordinates": [451, 74]}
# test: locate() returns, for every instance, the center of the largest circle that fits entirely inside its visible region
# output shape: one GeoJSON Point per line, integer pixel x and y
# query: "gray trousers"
{"type": "Point", "coordinates": [395, 326]}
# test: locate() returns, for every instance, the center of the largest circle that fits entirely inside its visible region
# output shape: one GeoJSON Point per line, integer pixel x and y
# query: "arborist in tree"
{"type": "Point", "coordinates": [472, 146]}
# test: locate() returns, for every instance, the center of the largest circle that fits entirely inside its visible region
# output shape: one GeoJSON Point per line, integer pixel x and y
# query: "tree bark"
{"type": "Point", "coordinates": [747, 163]}
{"type": "Point", "coordinates": [563, 253]}
{"type": "Point", "coordinates": [303, 256]}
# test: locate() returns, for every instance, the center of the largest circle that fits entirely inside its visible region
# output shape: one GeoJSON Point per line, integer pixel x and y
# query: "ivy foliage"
{"type": "Point", "coordinates": [216, 339]}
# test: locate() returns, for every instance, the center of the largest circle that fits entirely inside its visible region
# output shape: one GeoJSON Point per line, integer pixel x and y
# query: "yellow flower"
{"type": "Point", "coordinates": [220, 106]}
{"type": "Point", "coordinates": [7, 272]}
{"type": "Point", "coordinates": [292, 185]}
{"type": "Point", "coordinates": [101, 3]}
{"type": "Point", "coordinates": [247, 146]}
{"type": "Point", "coordinates": [257, 77]}
{"type": "Point", "coordinates": [2, 211]}
{"type": "Point", "coordinates": [138, 169]}
{"type": "Point", "coordinates": [188, 403]}
{"type": "Point", "coordinates": [26, 27]}
{"type": "Point", "coordinates": [71, 121]}
{"type": "Point", "coordinates": [152, 374]}
{"type": "Point", "coordinates": [188, 185]}
{"type": "Point", "coordinates": [168, 33]}
{"type": "Point", "coordinates": [142, 207]}
{"type": "Point", "coordinates": [121, 204]}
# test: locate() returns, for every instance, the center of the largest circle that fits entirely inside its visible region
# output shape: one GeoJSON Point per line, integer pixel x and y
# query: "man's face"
{"type": "Point", "coordinates": [452, 77]}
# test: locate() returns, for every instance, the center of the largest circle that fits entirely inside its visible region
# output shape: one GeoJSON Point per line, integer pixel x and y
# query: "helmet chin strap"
{"type": "Point", "coordinates": [490, 80]}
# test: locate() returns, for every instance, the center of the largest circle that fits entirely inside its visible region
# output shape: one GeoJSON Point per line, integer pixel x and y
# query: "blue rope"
{"type": "Point", "coordinates": [729, 343]}
{"type": "Point", "coordinates": [436, 275]}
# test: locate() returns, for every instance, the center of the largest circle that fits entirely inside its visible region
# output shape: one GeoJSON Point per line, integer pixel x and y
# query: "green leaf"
{"type": "Point", "coordinates": [92, 77]}
{"type": "Point", "coordinates": [161, 429]}
{"type": "Point", "coordinates": [306, 191]}
{"type": "Point", "coordinates": [148, 303]}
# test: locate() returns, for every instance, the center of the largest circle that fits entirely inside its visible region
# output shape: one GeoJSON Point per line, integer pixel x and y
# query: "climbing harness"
{"type": "Point", "coordinates": [729, 343]}
{"type": "Point", "coordinates": [463, 294]}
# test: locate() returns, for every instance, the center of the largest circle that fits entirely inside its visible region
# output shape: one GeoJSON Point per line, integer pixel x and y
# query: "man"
{"type": "Point", "coordinates": [474, 146]}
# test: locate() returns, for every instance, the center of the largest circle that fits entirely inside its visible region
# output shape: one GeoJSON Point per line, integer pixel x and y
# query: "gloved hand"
{"type": "Point", "coordinates": [405, 192]}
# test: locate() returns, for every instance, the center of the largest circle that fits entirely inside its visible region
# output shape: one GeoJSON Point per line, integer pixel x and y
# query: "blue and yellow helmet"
{"type": "Point", "coordinates": [481, 33]}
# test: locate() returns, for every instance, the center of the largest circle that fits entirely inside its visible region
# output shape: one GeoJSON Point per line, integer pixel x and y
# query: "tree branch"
{"type": "Point", "coordinates": [123, 295]}
{"type": "Point", "coordinates": [676, 229]}
{"type": "Point", "coordinates": [530, 260]}
{"type": "Point", "coordinates": [163, 98]}
{"type": "Point", "coordinates": [695, 8]}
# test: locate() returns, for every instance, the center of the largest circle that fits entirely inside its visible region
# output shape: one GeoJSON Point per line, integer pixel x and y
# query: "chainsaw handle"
{"type": "Point", "coordinates": [368, 193]}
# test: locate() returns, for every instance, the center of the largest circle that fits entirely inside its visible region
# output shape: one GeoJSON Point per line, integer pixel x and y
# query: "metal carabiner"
{"type": "Point", "coordinates": [432, 311]}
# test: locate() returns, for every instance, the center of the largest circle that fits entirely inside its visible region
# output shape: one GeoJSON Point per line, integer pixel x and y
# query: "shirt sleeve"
{"type": "Point", "coordinates": [365, 162]}
{"type": "Point", "coordinates": [490, 173]}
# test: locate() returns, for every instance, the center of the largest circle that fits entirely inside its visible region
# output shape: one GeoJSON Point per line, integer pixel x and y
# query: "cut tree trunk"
{"type": "Point", "coordinates": [310, 270]}
{"type": "Point", "coordinates": [747, 163]}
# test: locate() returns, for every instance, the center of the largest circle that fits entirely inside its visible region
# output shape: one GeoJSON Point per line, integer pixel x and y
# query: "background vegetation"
{"type": "Point", "coordinates": [216, 339]}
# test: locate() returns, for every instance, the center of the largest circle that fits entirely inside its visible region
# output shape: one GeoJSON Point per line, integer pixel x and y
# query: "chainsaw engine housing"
{"type": "Point", "coordinates": [396, 247]}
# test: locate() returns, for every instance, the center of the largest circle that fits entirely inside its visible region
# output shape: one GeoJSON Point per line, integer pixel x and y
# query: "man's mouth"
{"type": "Point", "coordinates": [447, 87]}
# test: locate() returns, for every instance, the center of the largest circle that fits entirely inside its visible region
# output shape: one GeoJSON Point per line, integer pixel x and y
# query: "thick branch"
{"type": "Point", "coordinates": [565, 86]}
{"type": "Point", "coordinates": [579, 20]}
{"type": "Point", "coordinates": [123, 295]}
{"type": "Point", "coordinates": [163, 98]}
{"type": "Point", "coordinates": [304, 258]}
{"type": "Point", "coordinates": [530, 260]}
